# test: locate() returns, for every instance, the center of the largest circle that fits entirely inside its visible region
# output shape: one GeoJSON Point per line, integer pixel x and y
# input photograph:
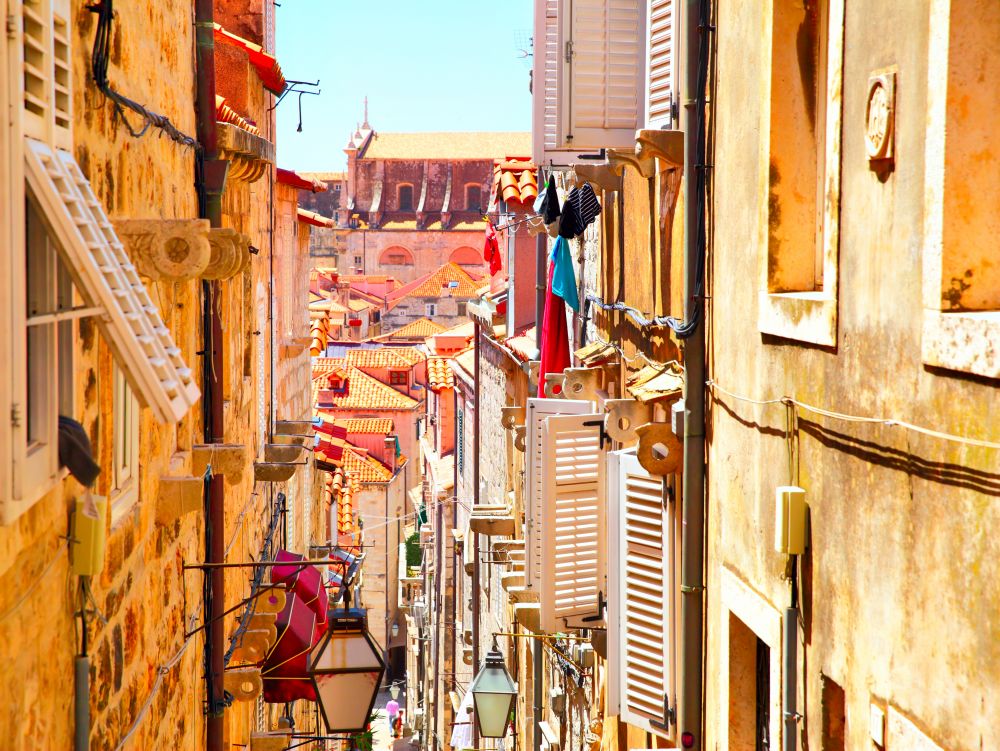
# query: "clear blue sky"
{"type": "Point", "coordinates": [425, 66]}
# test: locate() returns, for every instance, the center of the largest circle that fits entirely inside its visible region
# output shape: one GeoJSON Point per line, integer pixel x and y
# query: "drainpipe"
{"type": "Point", "coordinates": [457, 639]}
{"type": "Point", "coordinates": [211, 174]}
{"type": "Point", "coordinates": [536, 668]}
{"type": "Point", "coordinates": [475, 535]}
{"type": "Point", "coordinates": [693, 536]}
{"type": "Point", "coordinates": [541, 255]}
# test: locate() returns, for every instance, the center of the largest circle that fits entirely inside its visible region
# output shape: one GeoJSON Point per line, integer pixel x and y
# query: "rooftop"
{"type": "Point", "coordinates": [444, 145]}
{"type": "Point", "coordinates": [439, 373]}
{"type": "Point", "coordinates": [362, 392]}
{"type": "Point", "coordinates": [450, 278]}
{"type": "Point", "coordinates": [418, 329]}
{"type": "Point", "coordinates": [384, 357]}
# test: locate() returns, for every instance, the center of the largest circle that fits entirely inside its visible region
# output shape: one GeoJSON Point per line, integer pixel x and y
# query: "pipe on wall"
{"type": "Point", "coordinates": [789, 677]}
{"type": "Point", "coordinates": [478, 350]}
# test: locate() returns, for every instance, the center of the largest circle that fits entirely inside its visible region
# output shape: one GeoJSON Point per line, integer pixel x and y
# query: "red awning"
{"type": "Point", "coordinates": [290, 177]}
{"type": "Point", "coordinates": [316, 220]}
{"type": "Point", "coordinates": [266, 65]}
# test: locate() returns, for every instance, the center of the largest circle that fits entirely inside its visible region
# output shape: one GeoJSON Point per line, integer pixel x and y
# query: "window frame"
{"type": "Point", "coordinates": [966, 341]}
{"type": "Point", "coordinates": [125, 425]}
{"type": "Point", "coordinates": [430, 309]}
{"type": "Point", "coordinates": [399, 377]}
{"type": "Point", "coordinates": [479, 193]}
{"type": "Point", "coordinates": [811, 315]}
{"type": "Point", "coordinates": [399, 197]}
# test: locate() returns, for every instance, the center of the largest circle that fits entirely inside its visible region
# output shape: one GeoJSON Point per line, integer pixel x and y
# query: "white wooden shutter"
{"type": "Point", "coordinates": [602, 73]}
{"type": "Point", "coordinates": [660, 63]}
{"type": "Point", "coordinates": [641, 596]}
{"type": "Point", "coordinates": [537, 411]}
{"type": "Point", "coordinates": [573, 529]}
{"type": "Point", "coordinates": [45, 67]}
{"type": "Point", "coordinates": [105, 276]}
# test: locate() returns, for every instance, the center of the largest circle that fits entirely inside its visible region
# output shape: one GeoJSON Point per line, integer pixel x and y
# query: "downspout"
{"type": "Point", "coordinates": [541, 254]}
{"type": "Point", "coordinates": [211, 175]}
{"type": "Point", "coordinates": [456, 638]}
{"type": "Point", "coordinates": [693, 535]}
{"type": "Point", "coordinates": [536, 668]}
{"type": "Point", "coordinates": [475, 502]}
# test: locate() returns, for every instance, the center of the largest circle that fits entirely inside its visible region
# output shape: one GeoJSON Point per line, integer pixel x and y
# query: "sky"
{"type": "Point", "coordinates": [438, 65]}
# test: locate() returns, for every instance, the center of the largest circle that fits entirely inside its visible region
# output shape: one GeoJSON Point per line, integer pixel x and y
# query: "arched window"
{"type": "Point", "coordinates": [466, 256]}
{"type": "Point", "coordinates": [396, 256]}
{"type": "Point", "coordinates": [404, 194]}
{"type": "Point", "coordinates": [473, 198]}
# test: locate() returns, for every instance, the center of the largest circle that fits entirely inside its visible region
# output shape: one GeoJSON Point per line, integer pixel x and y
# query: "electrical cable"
{"type": "Point", "coordinates": [99, 69]}
{"type": "Point", "coordinates": [890, 422]}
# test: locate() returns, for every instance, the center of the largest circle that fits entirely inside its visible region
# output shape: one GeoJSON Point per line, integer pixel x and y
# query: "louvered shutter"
{"type": "Point", "coordinates": [641, 596]}
{"type": "Point", "coordinates": [602, 73]}
{"type": "Point", "coordinates": [573, 529]}
{"type": "Point", "coordinates": [105, 276]}
{"type": "Point", "coordinates": [537, 411]}
{"type": "Point", "coordinates": [660, 64]}
{"type": "Point", "coordinates": [45, 67]}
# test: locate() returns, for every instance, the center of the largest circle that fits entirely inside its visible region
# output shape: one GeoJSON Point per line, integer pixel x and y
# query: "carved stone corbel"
{"type": "Point", "coordinates": [552, 382]}
{"type": "Point", "coordinates": [229, 459]}
{"type": "Point", "coordinates": [170, 249]}
{"type": "Point", "coordinates": [178, 496]}
{"type": "Point", "coordinates": [272, 740]}
{"type": "Point", "coordinates": [511, 417]}
{"type": "Point", "coordinates": [582, 383]}
{"type": "Point", "coordinates": [228, 249]}
{"type": "Point", "coordinates": [249, 155]}
{"type": "Point", "coordinates": [624, 416]}
{"type": "Point", "coordinates": [519, 437]}
{"type": "Point", "coordinates": [243, 683]}
{"type": "Point", "coordinates": [274, 471]}
{"type": "Point", "coordinates": [619, 159]}
{"type": "Point", "coordinates": [601, 176]}
{"type": "Point", "coordinates": [278, 452]}
{"type": "Point", "coordinates": [666, 145]}
{"type": "Point", "coordinates": [659, 451]}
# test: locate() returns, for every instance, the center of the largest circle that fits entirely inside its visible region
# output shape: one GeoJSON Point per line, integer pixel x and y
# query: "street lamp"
{"type": "Point", "coordinates": [346, 669]}
{"type": "Point", "coordinates": [493, 695]}
{"type": "Point", "coordinates": [394, 691]}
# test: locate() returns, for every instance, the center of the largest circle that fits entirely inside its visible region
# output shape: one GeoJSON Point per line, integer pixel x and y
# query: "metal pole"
{"type": "Point", "coordinates": [693, 535]}
{"type": "Point", "coordinates": [541, 254]}
{"type": "Point", "coordinates": [789, 678]}
{"type": "Point", "coordinates": [475, 535]}
{"type": "Point", "coordinates": [536, 716]}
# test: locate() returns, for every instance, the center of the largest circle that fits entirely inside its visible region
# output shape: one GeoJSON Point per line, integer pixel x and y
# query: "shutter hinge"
{"type": "Point", "coordinates": [15, 415]}
{"type": "Point", "coordinates": [601, 604]}
{"type": "Point", "coordinates": [11, 25]}
{"type": "Point", "coordinates": [569, 51]}
{"type": "Point", "coordinates": [671, 712]}
{"type": "Point", "coordinates": [599, 424]}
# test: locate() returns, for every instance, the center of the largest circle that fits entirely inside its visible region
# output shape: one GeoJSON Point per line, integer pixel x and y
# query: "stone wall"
{"type": "Point", "coordinates": [430, 249]}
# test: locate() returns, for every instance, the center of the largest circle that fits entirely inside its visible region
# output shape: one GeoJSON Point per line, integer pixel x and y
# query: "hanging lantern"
{"type": "Point", "coordinates": [346, 668]}
{"type": "Point", "coordinates": [493, 695]}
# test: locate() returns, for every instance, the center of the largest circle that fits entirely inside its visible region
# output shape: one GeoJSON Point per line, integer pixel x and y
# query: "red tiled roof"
{"type": "Point", "coordinates": [418, 329]}
{"type": "Point", "coordinates": [316, 220]}
{"type": "Point", "coordinates": [433, 284]}
{"type": "Point", "coordinates": [466, 361]}
{"type": "Point", "coordinates": [439, 373]}
{"type": "Point", "coordinates": [514, 181]}
{"type": "Point", "coordinates": [362, 392]}
{"type": "Point", "coordinates": [523, 345]}
{"type": "Point", "coordinates": [368, 425]}
{"type": "Point", "coordinates": [266, 65]}
{"type": "Point", "coordinates": [295, 180]}
{"type": "Point", "coordinates": [384, 357]}
{"type": "Point", "coordinates": [226, 114]}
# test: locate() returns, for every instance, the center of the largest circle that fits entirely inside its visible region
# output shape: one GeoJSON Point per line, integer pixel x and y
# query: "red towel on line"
{"type": "Point", "coordinates": [555, 336]}
{"type": "Point", "coordinates": [491, 249]}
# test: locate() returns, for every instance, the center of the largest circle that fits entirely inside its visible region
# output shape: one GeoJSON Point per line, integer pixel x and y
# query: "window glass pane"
{"type": "Point", "coordinates": [40, 340]}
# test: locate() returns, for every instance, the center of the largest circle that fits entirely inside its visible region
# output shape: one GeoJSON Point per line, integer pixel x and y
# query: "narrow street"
{"type": "Point", "coordinates": [544, 375]}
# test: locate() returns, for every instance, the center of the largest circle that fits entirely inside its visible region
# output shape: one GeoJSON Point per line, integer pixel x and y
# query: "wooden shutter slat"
{"type": "Point", "coordinates": [573, 526]}
{"type": "Point", "coordinates": [660, 63]}
{"type": "Point", "coordinates": [641, 598]}
{"type": "Point", "coordinates": [97, 261]}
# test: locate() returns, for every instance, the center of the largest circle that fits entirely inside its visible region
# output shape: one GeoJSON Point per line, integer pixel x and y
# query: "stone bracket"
{"type": "Point", "coordinates": [250, 156]}
{"type": "Point", "coordinates": [619, 159]}
{"type": "Point", "coordinates": [666, 145]}
{"type": "Point", "coordinates": [169, 249]}
{"type": "Point", "coordinates": [229, 459]}
{"type": "Point", "coordinates": [230, 253]}
{"type": "Point", "coordinates": [177, 497]}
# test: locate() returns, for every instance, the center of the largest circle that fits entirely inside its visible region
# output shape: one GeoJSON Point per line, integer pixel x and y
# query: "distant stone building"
{"type": "Point", "coordinates": [326, 243]}
{"type": "Point", "coordinates": [415, 201]}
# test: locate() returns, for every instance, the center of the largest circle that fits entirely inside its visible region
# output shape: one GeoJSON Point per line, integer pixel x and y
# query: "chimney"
{"type": "Point", "coordinates": [390, 452]}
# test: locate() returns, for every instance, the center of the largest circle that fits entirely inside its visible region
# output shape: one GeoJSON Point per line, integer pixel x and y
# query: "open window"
{"type": "Point", "coordinates": [404, 195]}
{"type": "Point", "coordinates": [961, 292]}
{"type": "Point", "coordinates": [802, 211]}
{"type": "Point", "coordinates": [572, 522]}
{"type": "Point", "coordinates": [642, 537]}
{"type": "Point", "coordinates": [125, 448]}
{"type": "Point", "coordinates": [473, 197]}
{"type": "Point", "coordinates": [588, 77]}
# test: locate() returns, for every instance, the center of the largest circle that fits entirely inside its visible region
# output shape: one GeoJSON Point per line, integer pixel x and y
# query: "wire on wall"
{"type": "Point", "coordinates": [99, 68]}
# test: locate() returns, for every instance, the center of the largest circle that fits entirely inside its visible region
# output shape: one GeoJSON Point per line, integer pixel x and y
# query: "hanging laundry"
{"type": "Point", "coordinates": [555, 336]}
{"type": "Point", "coordinates": [550, 209]}
{"type": "Point", "coordinates": [563, 276]}
{"type": "Point", "coordinates": [579, 211]}
{"type": "Point", "coordinates": [491, 249]}
{"type": "Point", "coordinates": [539, 203]}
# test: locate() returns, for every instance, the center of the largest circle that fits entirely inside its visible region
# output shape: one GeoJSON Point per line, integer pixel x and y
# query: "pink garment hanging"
{"type": "Point", "coordinates": [555, 336]}
{"type": "Point", "coordinates": [491, 249]}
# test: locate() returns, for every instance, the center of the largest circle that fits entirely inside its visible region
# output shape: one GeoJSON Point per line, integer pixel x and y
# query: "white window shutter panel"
{"type": "Point", "coordinates": [641, 595]}
{"type": "Point", "coordinates": [573, 522]}
{"type": "Point", "coordinates": [660, 85]}
{"type": "Point", "coordinates": [105, 276]}
{"type": "Point", "coordinates": [537, 411]}
{"type": "Point", "coordinates": [602, 73]}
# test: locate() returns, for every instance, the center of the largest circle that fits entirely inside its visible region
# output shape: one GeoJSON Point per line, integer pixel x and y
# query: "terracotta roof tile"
{"type": "Point", "coordinates": [482, 146]}
{"type": "Point", "coordinates": [368, 425]}
{"type": "Point", "coordinates": [418, 329]}
{"type": "Point", "coordinates": [523, 345]}
{"type": "Point", "coordinates": [514, 181]}
{"type": "Point", "coordinates": [384, 357]}
{"type": "Point", "coordinates": [361, 392]}
{"type": "Point", "coordinates": [439, 373]}
{"type": "Point", "coordinates": [466, 361]}
{"type": "Point", "coordinates": [450, 278]}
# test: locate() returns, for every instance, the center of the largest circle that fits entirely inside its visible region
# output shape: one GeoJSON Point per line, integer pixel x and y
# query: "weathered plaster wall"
{"type": "Point", "coordinates": [431, 249]}
{"type": "Point", "coordinates": [897, 518]}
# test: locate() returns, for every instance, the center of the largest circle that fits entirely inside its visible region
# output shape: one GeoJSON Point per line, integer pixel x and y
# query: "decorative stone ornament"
{"type": "Point", "coordinates": [249, 155]}
{"type": "Point", "coordinates": [511, 417]}
{"type": "Point", "coordinates": [243, 683]}
{"type": "Point", "coordinates": [880, 116]}
{"type": "Point", "coordinates": [169, 249]}
{"type": "Point", "coordinates": [666, 145]}
{"type": "Point", "coordinates": [230, 253]}
{"type": "Point", "coordinates": [659, 451]}
{"type": "Point", "coordinates": [554, 385]}
{"type": "Point", "coordinates": [624, 416]}
{"type": "Point", "coordinates": [619, 159]}
{"type": "Point", "coordinates": [600, 176]}
{"type": "Point", "coordinates": [519, 437]}
{"type": "Point", "coordinates": [582, 383]}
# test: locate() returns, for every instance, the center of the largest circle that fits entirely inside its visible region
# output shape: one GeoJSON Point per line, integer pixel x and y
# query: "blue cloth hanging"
{"type": "Point", "coordinates": [563, 276]}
